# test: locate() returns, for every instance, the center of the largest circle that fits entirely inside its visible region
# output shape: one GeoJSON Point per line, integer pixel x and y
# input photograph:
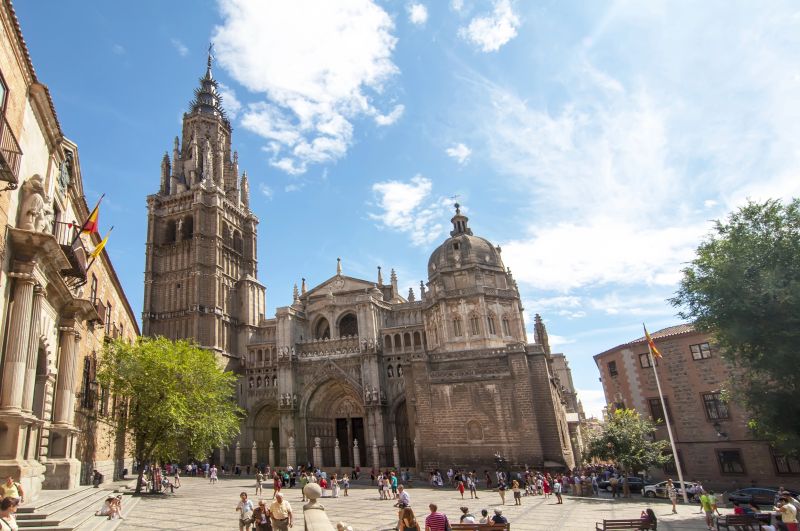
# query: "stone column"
{"type": "Point", "coordinates": [291, 453]}
{"type": "Point", "coordinates": [254, 456]}
{"type": "Point", "coordinates": [33, 349]}
{"type": "Point", "coordinates": [375, 464]}
{"type": "Point", "coordinates": [272, 462]}
{"type": "Point", "coordinates": [238, 453]}
{"type": "Point", "coordinates": [337, 455]}
{"type": "Point", "coordinates": [317, 454]}
{"type": "Point", "coordinates": [65, 385]}
{"type": "Point", "coordinates": [396, 454]}
{"type": "Point", "coordinates": [417, 463]}
{"type": "Point", "coordinates": [356, 455]}
{"type": "Point", "coordinates": [16, 358]}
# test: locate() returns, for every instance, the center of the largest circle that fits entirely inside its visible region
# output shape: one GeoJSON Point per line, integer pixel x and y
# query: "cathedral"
{"type": "Point", "coordinates": [352, 373]}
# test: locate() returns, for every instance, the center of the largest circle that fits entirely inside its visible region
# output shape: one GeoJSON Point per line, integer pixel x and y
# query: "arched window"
{"type": "Point", "coordinates": [258, 381]}
{"type": "Point", "coordinates": [399, 370]}
{"type": "Point", "coordinates": [491, 324]}
{"type": "Point", "coordinates": [274, 381]}
{"type": "Point", "coordinates": [322, 330]}
{"type": "Point", "coordinates": [506, 327]}
{"type": "Point", "coordinates": [251, 382]}
{"type": "Point", "coordinates": [474, 325]}
{"type": "Point", "coordinates": [390, 372]}
{"type": "Point", "coordinates": [348, 325]}
{"type": "Point", "coordinates": [260, 355]}
{"type": "Point", "coordinates": [457, 331]}
{"type": "Point", "coordinates": [188, 227]}
{"type": "Point", "coordinates": [407, 341]}
{"type": "Point", "coordinates": [387, 341]}
{"type": "Point", "coordinates": [169, 233]}
{"type": "Point", "coordinates": [237, 241]}
{"type": "Point", "coordinates": [417, 341]}
{"type": "Point", "coordinates": [398, 346]}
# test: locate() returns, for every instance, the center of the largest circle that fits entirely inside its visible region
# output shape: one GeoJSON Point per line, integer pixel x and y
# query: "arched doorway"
{"type": "Point", "coordinates": [335, 411]}
{"type": "Point", "coordinates": [348, 325]}
{"type": "Point", "coordinates": [405, 435]}
{"type": "Point", "coordinates": [265, 429]}
{"type": "Point", "coordinates": [322, 330]}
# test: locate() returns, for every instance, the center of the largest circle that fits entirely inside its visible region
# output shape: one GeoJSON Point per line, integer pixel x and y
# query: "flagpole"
{"type": "Point", "coordinates": [83, 225]}
{"type": "Point", "coordinates": [666, 421]}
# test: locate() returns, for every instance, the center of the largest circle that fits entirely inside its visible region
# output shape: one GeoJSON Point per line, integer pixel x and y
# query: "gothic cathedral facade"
{"type": "Point", "coordinates": [351, 373]}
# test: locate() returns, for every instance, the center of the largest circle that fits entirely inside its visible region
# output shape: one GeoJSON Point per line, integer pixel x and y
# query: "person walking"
{"type": "Point", "coordinates": [501, 489]}
{"type": "Point", "coordinates": [461, 489]}
{"type": "Point", "coordinates": [346, 484]}
{"type": "Point", "coordinates": [788, 513]}
{"type": "Point", "coordinates": [516, 491]}
{"type": "Point", "coordinates": [334, 487]}
{"type": "Point", "coordinates": [473, 491]}
{"type": "Point", "coordinates": [557, 491]}
{"type": "Point", "coordinates": [12, 489]}
{"type": "Point", "coordinates": [276, 485]}
{"type": "Point", "coordinates": [708, 502]}
{"type": "Point", "coordinates": [281, 513]}
{"type": "Point", "coordinates": [245, 510]}
{"type": "Point", "coordinates": [614, 482]}
{"type": "Point", "coordinates": [212, 475]}
{"type": "Point", "coordinates": [8, 512]}
{"type": "Point", "coordinates": [259, 481]}
{"type": "Point", "coordinates": [261, 519]}
{"type": "Point", "coordinates": [488, 480]}
{"type": "Point", "coordinates": [672, 494]}
{"type": "Point", "coordinates": [436, 521]}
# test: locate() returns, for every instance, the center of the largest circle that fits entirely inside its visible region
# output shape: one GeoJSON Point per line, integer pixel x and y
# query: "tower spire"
{"type": "Point", "coordinates": [207, 99]}
{"type": "Point", "coordinates": [210, 59]}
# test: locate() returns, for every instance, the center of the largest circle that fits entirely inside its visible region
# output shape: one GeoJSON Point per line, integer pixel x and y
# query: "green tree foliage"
{"type": "Point", "coordinates": [179, 398]}
{"type": "Point", "coordinates": [627, 439]}
{"type": "Point", "coordinates": [744, 288]}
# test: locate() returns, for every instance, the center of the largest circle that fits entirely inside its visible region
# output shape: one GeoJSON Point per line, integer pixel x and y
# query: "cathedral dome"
{"type": "Point", "coordinates": [463, 249]}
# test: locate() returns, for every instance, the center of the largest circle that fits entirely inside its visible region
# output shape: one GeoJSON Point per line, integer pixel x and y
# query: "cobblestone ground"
{"type": "Point", "coordinates": [199, 505]}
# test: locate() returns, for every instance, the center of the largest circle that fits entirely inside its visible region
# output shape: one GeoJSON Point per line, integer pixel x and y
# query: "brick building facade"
{"type": "Point", "coordinates": [352, 372]}
{"type": "Point", "coordinates": [713, 441]}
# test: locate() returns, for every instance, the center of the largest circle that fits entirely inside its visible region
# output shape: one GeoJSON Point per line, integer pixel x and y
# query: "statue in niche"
{"type": "Point", "coordinates": [65, 172]}
{"type": "Point", "coordinates": [34, 212]}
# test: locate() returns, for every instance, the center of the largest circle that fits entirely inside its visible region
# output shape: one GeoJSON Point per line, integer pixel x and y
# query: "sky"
{"type": "Point", "coordinates": [595, 142]}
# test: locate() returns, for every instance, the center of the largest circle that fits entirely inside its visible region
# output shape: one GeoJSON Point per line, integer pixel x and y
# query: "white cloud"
{"type": "Point", "coordinates": [266, 191]}
{"type": "Point", "coordinates": [409, 208]}
{"type": "Point", "coordinates": [418, 14]}
{"type": "Point", "coordinates": [557, 341]}
{"type": "Point", "coordinates": [593, 401]}
{"type": "Point", "coordinates": [230, 102]}
{"type": "Point", "coordinates": [563, 301]}
{"type": "Point", "coordinates": [571, 315]}
{"type": "Point", "coordinates": [294, 187]}
{"type": "Point", "coordinates": [181, 48]}
{"type": "Point", "coordinates": [710, 203]}
{"type": "Point", "coordinates": [316, 73]}
{"type": "Point", "coordinates": [639, 305]}
{"type": "Point", "coordinates": [460, 152]}
{"type": "Point", "coordinates": [457, 5]}
{"type": "Point", "coordinates": [490, 32]}
{"type": "Point", "coordinates": [392, 117]}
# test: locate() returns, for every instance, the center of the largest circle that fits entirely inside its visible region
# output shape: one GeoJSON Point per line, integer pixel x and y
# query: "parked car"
{"type": "Point", "coordinates": [659, 490]}
{"type": "Point", "coordinates": [635, 483]}
{"type": "Point", "coordinates": [759, 495]}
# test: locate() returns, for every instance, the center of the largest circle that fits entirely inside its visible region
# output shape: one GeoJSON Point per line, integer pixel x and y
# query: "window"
{"type": "Point", "coordinates": [784, 464]}
{"type": "Point", "coordinates": [657, 412]}
{"type": "Point", "coordinates": [87, 400]}
{"type": "Point", "coordinates": [716, 409]}
{"type": "Point", "coordinates": [108, 318]}
{"type": "Point", "coordinates": [457, 327]}
{"type": "Point", "coordinates": [474, 325]}
{"type": "Point", "coordinates": [399, 370]}
{"type": "Point", "coordinates": [506, 327]}
{"type": "Point", "coordinates": [94, 288]}
{"type": "Point", "coordinates": [730, 461]}
{"type": "Point", "coordinates": [644, 360]}
{"type": "Point", "coordinates": [104, 400]}
{"type": "Point", "coordinates": [390, 371]}
{"type": "Point", "coordinates": [492, 328]}
{"type": "Point", "coordinates": [456, 246]}
{"type": "Point", "coordinates": [701, 351]}
{"type": "Point", "coordinates": [612, 368]}
{"type": "Point", "coordinates": [669, 467]}
{"type": "Point", "coordinates": [3, 92]}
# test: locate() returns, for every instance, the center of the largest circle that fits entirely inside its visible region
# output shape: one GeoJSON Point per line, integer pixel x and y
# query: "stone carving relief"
{"type": "Point", "coordinates": [34, 214]}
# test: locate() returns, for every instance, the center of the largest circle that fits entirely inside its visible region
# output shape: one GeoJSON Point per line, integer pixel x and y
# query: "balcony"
{"type": "Point", "coordinates": [100, 308]}
{"type": "Point", "coordinates": [67, 236]}
{"type": "Point", "coordinates": [10, 155]}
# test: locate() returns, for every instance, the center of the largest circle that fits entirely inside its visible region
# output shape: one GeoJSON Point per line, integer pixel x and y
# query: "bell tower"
{"type": "Point", "coordinates": [201, 263]}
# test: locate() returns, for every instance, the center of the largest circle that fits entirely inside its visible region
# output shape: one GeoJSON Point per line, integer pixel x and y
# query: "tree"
{"type": "Point", "coordinates": [744, 288]}
{"type": "Point", "coordinates": [627, 439]}
{"type": "Point", "coordinates": [180, 399]}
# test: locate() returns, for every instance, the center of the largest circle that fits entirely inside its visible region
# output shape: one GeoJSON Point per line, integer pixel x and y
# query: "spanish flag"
{"type": "Point", "coordinates": [90, 226]}
{"type": "Point", "coordinates": [97, 250]}
{"type": "Point", "coordinates": [650, 343]}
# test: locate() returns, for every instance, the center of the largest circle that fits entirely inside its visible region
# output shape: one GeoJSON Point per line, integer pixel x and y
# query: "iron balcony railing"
{"type": "Point", "coordinates": [10, 155]}
{"type": "Point", "coordinates": [67, 236]}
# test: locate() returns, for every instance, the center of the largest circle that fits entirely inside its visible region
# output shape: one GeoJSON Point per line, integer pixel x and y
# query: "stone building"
{"type": "Point", "coordinates": [714, 443]}
{"type": "Point", "coordinates": [352, 372]}
{"type": "Point", "coordinates": [576, 418]}
{"type": "Point", "coordinates": [56, 307]}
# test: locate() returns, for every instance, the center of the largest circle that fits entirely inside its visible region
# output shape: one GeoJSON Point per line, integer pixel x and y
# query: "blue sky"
{"type": "Point", "coordinates": [593, 141]}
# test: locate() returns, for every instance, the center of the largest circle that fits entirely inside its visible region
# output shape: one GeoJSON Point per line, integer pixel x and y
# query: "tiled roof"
{"type": "Point", "coordinates": [670, 331]}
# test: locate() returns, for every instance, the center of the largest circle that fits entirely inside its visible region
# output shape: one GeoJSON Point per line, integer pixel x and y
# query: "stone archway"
{"type": "Point", "coordinates": [265, 428]}
{"type": "Point", "coordinates": [348, 325]}
{"type": "Point", "coordinates": [335, 411]}
{"type": "Point", "coordinates": [404, 432]}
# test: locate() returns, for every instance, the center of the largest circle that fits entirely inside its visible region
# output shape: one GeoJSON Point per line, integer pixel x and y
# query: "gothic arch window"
{"type": "Point", "coordinates": [474, 325]}
{"type": "Point", "coordinates": [398, 346]}
{"type": "Point", "coordinates": [237, 241]}
{"type": "Point", "coordinates": [506, 326]}
{"type": "Point", "coordinates": [406, 341]}
{"type": "Point", "coordinates": [399, 370]}
{"type": "Point", "coordinates": [491, 325]}
{"type": "Point", "coordinates": [188, 227]}
{"type": "Point", "coordinates": [387, 341]}
{"type": "Point", "coordinates": [169, 234]}
{"type": "Point", "coordinates": [390, 372]}
{"type": "Point", "coordinates": [348, 325]}
{"type": "Point", "coordinates": [258, 381]}
{"type": "Point", "coordinates": [457, 329]}
{"type": "Point", "coordinates": [322, 330]}
{"type": "Point", "coordinates": [417, 341]}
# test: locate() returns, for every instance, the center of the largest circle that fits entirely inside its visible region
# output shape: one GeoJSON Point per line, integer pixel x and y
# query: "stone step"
{"type": "Point", "coordinates": [69, 516]}
{"type": "Point", "coordinates": [49, 498]}
{"type": "Point", "coordinates": [102, 523]}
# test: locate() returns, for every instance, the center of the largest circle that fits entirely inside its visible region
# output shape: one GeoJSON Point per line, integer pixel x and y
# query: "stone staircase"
{"type": "Point", "coordinates": [69, 510]}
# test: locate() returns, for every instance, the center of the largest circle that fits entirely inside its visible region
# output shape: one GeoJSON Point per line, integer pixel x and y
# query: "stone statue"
{"type": "Point", "coordinates": [34, 213]}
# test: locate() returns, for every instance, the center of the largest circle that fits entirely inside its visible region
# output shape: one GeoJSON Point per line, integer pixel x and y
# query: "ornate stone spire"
{"type": "Point", "coordinates": [393, 278]}
{"type": "Point", "coordinates": [245, 191]}
{"type": "Point", "coordinates": [540, 333]}
{"type": "Point", "coordinates": [411, 297]}
{"type": "Point", "coordinates": [207, 99]}
{"type": "Point", "coordinates": [338, 267]}
{"type": "Point", "coordinates": [165, 173]}
{"type": "Point", "coordinates": [295, 293]}
{"type": "Point", "coordinates": [460, 223]}
{"type": "Point", "coordinates": [421, 290]}
{"type": "Point", "coordinates": [380, 276]}
{"type": "Point", "coordinates": [303, 288]}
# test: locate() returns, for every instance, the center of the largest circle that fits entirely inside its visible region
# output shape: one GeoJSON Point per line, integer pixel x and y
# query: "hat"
{"type": "Point", "coordinates": [498, 511]}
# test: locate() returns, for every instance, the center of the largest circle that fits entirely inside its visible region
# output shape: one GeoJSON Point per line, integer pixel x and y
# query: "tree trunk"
{"type": "Point", "coordinates": [139, 479]}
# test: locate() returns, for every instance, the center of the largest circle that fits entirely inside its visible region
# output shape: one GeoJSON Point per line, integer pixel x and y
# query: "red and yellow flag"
{"type": "Point", "coordinates": [651, 343]}
{"type": "Point", "coordinates": [97, 250]}
{"type": "Point", "coordinates": [90, 226]}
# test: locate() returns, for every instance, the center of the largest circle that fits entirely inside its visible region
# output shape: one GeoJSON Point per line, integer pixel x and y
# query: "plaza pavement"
{"type": "Point", "coordinates": [199, 505]}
